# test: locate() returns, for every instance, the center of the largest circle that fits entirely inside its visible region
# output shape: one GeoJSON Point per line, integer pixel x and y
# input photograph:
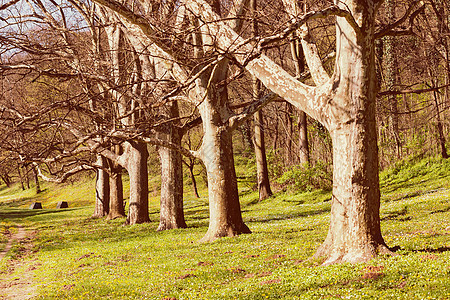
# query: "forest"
{"type": "Point", "coordinates": [227, 106]}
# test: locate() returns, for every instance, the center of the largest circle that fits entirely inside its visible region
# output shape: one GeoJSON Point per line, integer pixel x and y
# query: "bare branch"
{"type": "Point", "coordinates": [413, 91]}
{"type": "Point", "coordinates": [8, 4]}
{"type": "Point", "coordinates": [410, 14]}
{"type": "Point", "coordinates": [236, 120]}
{"type": "Point", "coordinates": [66, 175]}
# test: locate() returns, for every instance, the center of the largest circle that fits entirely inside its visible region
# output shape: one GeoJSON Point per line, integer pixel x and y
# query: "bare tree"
{"type": "Point", "coordinates": [345, 104]}
{"type": "Point", "coordinates": [262, 173]}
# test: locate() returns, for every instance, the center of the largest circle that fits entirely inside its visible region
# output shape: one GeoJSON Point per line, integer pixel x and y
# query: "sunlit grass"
{"type": "Point", "coordinates": [82, 258]}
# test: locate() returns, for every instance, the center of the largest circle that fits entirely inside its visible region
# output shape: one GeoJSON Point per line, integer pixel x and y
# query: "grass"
{"type": "Point", "coordinates": [76, 257]}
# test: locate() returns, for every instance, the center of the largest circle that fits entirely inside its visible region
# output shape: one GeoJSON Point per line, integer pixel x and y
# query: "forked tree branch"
{"type": "Point", "coordinates": [411, 13]}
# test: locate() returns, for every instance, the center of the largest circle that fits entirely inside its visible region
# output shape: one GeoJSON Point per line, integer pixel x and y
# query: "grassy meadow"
{"type": "Point", "coordinates": [72, 256]}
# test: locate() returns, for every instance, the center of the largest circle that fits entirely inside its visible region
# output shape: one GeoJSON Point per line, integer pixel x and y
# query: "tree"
{"type": "Point", "coordinates": [345, 105]}
{"type": "Point", "coordinates": [211, 98]}
{"type": "Point", "coordinates": [102, 189]}
{"type": "Point", "coordinates": [262, 173]}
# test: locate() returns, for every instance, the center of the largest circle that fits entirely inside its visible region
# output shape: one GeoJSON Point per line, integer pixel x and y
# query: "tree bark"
{"type": "Point", "coordinates": [102, 190]}
{"type": "Point", "coordinates": [27, 177]}
{"type": "Point", "coordinates": [171, 208]}
{"type": "Point", "coordinates": [225, 217]}
{"type": "Point", "coordinates": [136, 156]}
{"type": "Point", "coordinates": [289, 133]}
{"type": "Point", "coordinates": [116, 204]}
{"type": "Point", "coordinates": [354, 234]}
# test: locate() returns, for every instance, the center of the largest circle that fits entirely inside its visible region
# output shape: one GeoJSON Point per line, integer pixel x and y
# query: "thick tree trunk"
{"type": "Point", "coordinates": [116, 205]}
{"type": "Point", "coordinates": [354, 234]}
{"type": "Point", "coordinates": [171, 212]}
{"type": "Point", "coordinates": [225, 217]}
{"type": "Point", "coordinates": [101, 208]}
{"type": "Point", "coordinates": [137, 156]}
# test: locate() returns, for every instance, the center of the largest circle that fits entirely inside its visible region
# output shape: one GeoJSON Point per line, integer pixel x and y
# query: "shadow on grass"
{"type": "Point", "coordinates": [296, 215]}
{"type": "Point", "coordinates": [388, 187]}
{"type": "Point", "coordinates": [435, 250]}
{"type": "Point", "coordinates": [197, 214]}
{"type": "Point", "coordinates": [16, 202]}
{"type": "Point", "coordinates": [426, 250]}
{"type": "Point", "coordinates": [25, 213]}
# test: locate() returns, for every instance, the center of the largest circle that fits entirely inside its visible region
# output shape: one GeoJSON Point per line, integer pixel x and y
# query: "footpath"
{"type": "Point", "coordinates": [16, 283]}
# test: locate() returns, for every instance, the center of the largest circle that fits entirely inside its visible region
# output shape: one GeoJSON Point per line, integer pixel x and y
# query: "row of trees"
{"type": "Point", "coordinates": [88, 85]}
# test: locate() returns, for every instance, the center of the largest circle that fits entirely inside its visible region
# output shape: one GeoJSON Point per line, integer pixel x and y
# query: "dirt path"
{"type": "Point", "coordinates": [17, 282]}
{"type": "Point", "coordinates": [20, 235]}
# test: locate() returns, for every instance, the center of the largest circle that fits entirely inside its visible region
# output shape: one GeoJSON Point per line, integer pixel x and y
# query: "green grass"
{"type": "Point", "coordinates": [77, 257]}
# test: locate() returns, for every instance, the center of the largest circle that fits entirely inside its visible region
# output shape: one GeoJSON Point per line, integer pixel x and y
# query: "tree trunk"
{"type": "Point", "coordinates": [116, 205]}
{"type": "Point", "coordinates": [289, 133]}
{"type": "Point", "coordinates": [171, 212]}
{"type": "Point", "coordinates": [36, 181]}
{"type": "Point", "coordinates": [20, 177]}
{"type": "Point", "coordinates": [440, 129]}
{"type": "Point", "coordinates": [225, 217]}
{"type": "Point", "coordinates": [194, 181]}
{"type": "Point", "coordinates": [299, 60]}
{"type": "Point", "coordinates": [303, 138]}
{"type": "Point", "coordinates": [392, 78]}
{"type": "Point", "coordinates": [262, 171]}
{"type": "Point", "coordinates": [137, 156]}
{"type": "Point", "coordinates": [261, 160]}
{"type": "Point", "coordinates": [354, 234]}
{"type": "Point", "coordinates": [101, 208]}
{"type": "Point", "coordinates": [27, 177]}
{"type": "Point", "coordinates": [247, 140]}
{"type": "Point", "coordinates": [6, 180]}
